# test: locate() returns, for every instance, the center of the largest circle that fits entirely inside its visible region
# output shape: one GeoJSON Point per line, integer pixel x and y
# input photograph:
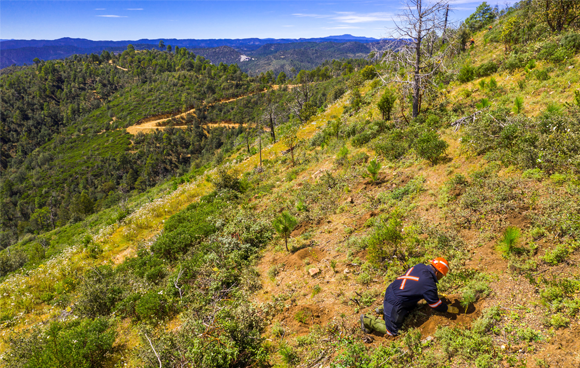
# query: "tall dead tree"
{"type": "Point", "coordinates": [272, 113]}
{"type": "Point", "coordinates": [415, 61]}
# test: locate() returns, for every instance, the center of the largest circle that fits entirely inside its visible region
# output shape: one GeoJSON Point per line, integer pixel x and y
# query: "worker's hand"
{"type": "Point", "coordinates": [452, 309]}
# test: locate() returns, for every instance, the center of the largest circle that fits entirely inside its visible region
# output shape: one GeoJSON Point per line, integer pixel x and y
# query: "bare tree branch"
{"type": "Point", "coordinates": [155, 351]}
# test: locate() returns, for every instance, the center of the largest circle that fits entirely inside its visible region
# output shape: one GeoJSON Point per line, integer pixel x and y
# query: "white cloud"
{"type": "Point", "coordinates": [135, 9]}
{"type": "Point", "coordinates": [100, 9]}
{"type": "Point", "coordinates": [112, 16]}
{"type": "Point", "coordinates": [341, 27]}
{"type": "Point", "coordinates": [302, 15]}
{"type": "Point", "coordinates": [351, 17]}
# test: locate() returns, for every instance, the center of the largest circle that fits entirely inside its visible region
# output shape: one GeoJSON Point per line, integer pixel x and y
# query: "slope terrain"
{"type": "Point", "coordinates": [197, 271]}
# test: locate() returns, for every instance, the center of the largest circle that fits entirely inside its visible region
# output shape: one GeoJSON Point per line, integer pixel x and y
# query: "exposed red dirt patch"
{"type": "Point", "coordinates": [300, 318]}
{"type": "Point", "coordinates": [364, 218]}
{"type": "Point", "coordinates": [297, 259]}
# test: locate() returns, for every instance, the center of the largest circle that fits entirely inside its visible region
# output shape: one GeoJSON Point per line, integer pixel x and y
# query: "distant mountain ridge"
{"type": "Point", "coordinates": [243, 43]}
{"type": "Point", "coordinates": [255, 50]}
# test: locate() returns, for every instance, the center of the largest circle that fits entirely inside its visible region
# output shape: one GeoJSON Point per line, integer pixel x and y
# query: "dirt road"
{"type": "Point", "coordinates": [152, 125]}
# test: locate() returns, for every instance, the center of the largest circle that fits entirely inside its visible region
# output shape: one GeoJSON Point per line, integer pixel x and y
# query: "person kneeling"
{"type": "Point", "coordinates": [402, 295]}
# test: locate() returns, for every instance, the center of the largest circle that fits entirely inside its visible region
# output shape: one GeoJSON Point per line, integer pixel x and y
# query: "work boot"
{"type": "Point", "coordinates": [371, 323]}
{"type": "Point", "coordinates": [362, 324]}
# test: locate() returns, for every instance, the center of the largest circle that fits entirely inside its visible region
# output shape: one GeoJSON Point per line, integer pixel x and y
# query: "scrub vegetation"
{"type": "Point", "coordinates": [265, 248]}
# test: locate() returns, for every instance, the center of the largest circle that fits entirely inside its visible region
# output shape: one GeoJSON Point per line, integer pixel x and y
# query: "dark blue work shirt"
{"type": "Point", "coordinates": [419, 282]}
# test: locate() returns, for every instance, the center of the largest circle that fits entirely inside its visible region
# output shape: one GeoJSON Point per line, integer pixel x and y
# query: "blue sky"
{"type": "Point", "coordinates": [131, 20]}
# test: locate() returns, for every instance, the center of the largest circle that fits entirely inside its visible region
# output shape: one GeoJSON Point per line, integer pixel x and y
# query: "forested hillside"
{"type": "Point", "coordinates": [261, 216]}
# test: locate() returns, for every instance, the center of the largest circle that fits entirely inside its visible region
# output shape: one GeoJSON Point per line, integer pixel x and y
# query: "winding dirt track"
{"type": "Point", "coordinates": [152, 125]}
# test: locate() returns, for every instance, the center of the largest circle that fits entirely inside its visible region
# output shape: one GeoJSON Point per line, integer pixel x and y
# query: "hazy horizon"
{"type": "Point", "coordinates": [134, 20]}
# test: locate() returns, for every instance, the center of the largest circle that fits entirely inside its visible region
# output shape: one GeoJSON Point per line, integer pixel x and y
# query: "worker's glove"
{"type": "Point", "coordinates": [452, 309]}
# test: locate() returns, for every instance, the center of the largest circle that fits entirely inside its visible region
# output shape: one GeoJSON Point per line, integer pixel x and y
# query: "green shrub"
{"type": "Point", "coordinates": [466, 74]}
{"type": "Point", "coordinates": [386, 104]}
{"type": "Point", "coordinates": [364, 278]}
{"type": "Point", "coordinates": [303, 316]}
{"type": "Point", "coordinates": [528, 334]}
{"type": "Point", "coordinates": [369, 72]}
{"type": "Point", "coordinates": [483, 103]}
{"type": "Point", "coordinates": [558, 179]}
{"type": "Point", "coordinates": [126, 307]}
{"type": "Point", "coordinates": [571, 41]}
{"type": "Point", "coordinates": [541, 75]}
{"type": "Point", "coordinates": [548, 49]}
{"type": "Point", "coordinates": [226, 179]}
{"type": "Point", "coordinates": [557, 255]}
{"type": "Point", "coordinates": [316, 290]}
{"type": "Point", "coordinates": [99, 292]}
{"type": "Point", "coordinates": [513, 62]}
{"type": "Point", "coordinates": [78, 343]}
{"type": "Point", "coordinates": [384, 242]}
{"type": "Point", "coordinates": [11, 261]}
{"type": "Point", "coordinates": [362, 138]}
{"type": "Point", "coordinates": [485, 69]}
{"type": "Point", "coordinates": [558, 320]}
{"type": "Point", "coordinates": [392, 146]}
{"type": "Point", "coordinates": [152, 306]}
{"type": "Point", "coordinates": [492, 85]}
{"type": "Point", "coordinates": [562, 54]}
{"type": "Point", "coordinates": [186, 229]}
{"type": "Point", "coordinates": [433, 121]}
{"type": "Point", "coordinates": [430, 147]}
{"type": "Point", "coordinates": [289, 355]}
{"type": "Point", "coordinates": [537, 174]}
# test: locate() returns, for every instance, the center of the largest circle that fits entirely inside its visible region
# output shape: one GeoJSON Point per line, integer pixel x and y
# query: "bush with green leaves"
{"type": "Point", "coordinates": [557, 255]}
{"type": "Point", "coordinates": [430, 147]}
{"type": "Point", "coordinates": [187, 229]}
{"type": "Point", "coordinates": [392, 145]}
{"type": "Point", "coordinates": [546, 143]}
{"type": "Point", "coordinates": [101, 289]}
{"type": "Point", "coordinates": [571, 41]}
{"type": "Point", "coordinates": [152, 306]}
{"type": "Point", "coordinates": [466, 73]}
{"type": "Point", "coordinates": [384, 242]}
{"type": "Point", "coordinates": [81, 343]}
{"type": "Point", "coordinates": [485, 69]}
{"type": "Point", "coordinates": [369, 72]}
{"type": "Point", "coordinates": [541, 74]}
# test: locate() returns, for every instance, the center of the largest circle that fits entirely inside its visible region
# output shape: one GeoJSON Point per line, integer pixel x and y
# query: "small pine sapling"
{"type": "Point", "coordinates": [483, 103]}
{"type": "Point", "coordinates": [510, 239]}
{"type": "Point", "coordinates": [386, 104]}
{"type": "Point", "coordinates": [373, 169]}
{"type": "Point", "coordinates": [518, 105]}
{"type": "Point", "coordinates": [482, 84]}
{"type": "Point", "coordinates": [284, 224]}
{"type": "Point", "coordinates": [343, 153]}
{"type": "Point", "coordinates": [492, 85]}
{"type": "Point", "coordinates": [468, 298]}
{"type": "Point", "coordinates": [300, 206]}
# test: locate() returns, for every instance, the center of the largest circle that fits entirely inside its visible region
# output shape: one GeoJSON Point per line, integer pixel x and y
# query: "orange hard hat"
{"type": "Point", "coordinates": [441, 265]}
